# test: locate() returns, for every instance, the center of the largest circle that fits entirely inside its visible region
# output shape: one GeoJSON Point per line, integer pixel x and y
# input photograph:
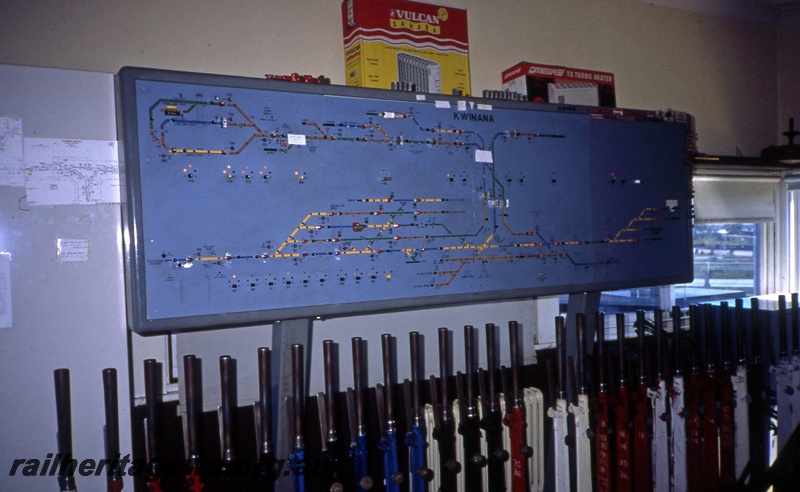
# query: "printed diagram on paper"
{"type": "Point", "coordinates": [71, 172]}
{"type": "Point", "coordinates": [11, 160]}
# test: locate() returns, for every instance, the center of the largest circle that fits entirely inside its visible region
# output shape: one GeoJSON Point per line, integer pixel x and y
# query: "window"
{"type": "Point", "coordinates": [742, 224]}
{"type": "Point", "coordinates": [725, 267]}
{"type": "Point", "coordinates": [793, 236]}
{"type": "Point", "coordinates": [725, 263]}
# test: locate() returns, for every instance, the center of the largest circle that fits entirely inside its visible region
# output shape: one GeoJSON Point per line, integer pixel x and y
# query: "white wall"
{"type": "Point", "coordinates": [65, 314]}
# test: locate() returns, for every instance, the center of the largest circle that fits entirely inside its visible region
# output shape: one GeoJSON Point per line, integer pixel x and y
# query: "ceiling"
{"type": "Point", "coordinates": [769, 11]}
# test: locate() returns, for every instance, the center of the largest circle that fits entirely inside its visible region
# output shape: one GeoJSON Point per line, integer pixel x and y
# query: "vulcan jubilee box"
{"type": "Point", "coordinates": [421, 46]}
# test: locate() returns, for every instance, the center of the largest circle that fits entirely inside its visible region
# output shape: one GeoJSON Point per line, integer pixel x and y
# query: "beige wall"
{"type": "Point", "coordinates": [722, 70]}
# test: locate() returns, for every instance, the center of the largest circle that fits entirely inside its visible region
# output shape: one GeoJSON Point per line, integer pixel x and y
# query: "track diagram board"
{"type": "Point", "coordinates": [253, 200]}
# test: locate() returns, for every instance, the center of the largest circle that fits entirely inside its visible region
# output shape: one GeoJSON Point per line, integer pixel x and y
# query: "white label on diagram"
{"type": "Point", "coordinates": [484, 156]}
{"type": "Point", "coordinates": [295, 139]}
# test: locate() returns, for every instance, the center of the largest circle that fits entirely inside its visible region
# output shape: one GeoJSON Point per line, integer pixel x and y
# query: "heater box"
{"type": "Point", "coordinates": [561, 85]}
{"type": "Point", "coordinates": [424, 47]}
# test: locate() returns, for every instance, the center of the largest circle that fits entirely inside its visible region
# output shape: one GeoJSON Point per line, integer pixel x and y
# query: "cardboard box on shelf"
{"type": "Point", "coordinates": [419, 45]}
{"type": "Point", "coordinates": [557, 84]}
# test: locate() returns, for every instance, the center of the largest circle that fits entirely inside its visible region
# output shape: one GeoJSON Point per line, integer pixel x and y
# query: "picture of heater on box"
{"type": "Point", "coordinates": [416, 73]}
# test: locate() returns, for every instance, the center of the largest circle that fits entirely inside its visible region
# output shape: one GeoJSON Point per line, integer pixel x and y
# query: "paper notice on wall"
{"type": "Point", "coordinates": [71, 172]}
{"type": "Point", "coordinates": [5, 289]}
{"type": "Point", "coordinates": [73, 249]}
{"type": "Point", "coordinates": [11, 161]}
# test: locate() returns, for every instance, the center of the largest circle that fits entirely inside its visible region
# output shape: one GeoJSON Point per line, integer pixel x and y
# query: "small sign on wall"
{"type": "Point", "coordinates": [73, 249]}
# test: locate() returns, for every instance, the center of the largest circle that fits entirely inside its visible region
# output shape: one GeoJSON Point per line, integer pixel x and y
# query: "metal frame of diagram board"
{"type": "Point", "coordinates": [250, 201]}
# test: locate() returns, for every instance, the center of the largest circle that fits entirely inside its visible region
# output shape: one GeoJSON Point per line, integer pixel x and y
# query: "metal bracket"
{"type": "Point", "coordinates": [284, 335]}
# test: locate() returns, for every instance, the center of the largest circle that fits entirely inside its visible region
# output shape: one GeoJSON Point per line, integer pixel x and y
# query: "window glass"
{"type": "Point", "coordinates": [725, 267]}
{"type": "Point", "coordinates": [794, 240]}
{"type": "Point", "coordinates": [725, 263]}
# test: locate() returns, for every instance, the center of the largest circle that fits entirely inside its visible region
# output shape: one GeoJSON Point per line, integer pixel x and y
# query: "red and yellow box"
{"type": "Point", "coordinates": [420, 45]}
{"type": "Point", "coordinates": [557, 84]}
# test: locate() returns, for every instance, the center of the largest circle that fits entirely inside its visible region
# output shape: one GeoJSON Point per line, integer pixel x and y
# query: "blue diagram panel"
{"type": "Point", "coordinates": [251, 200]}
